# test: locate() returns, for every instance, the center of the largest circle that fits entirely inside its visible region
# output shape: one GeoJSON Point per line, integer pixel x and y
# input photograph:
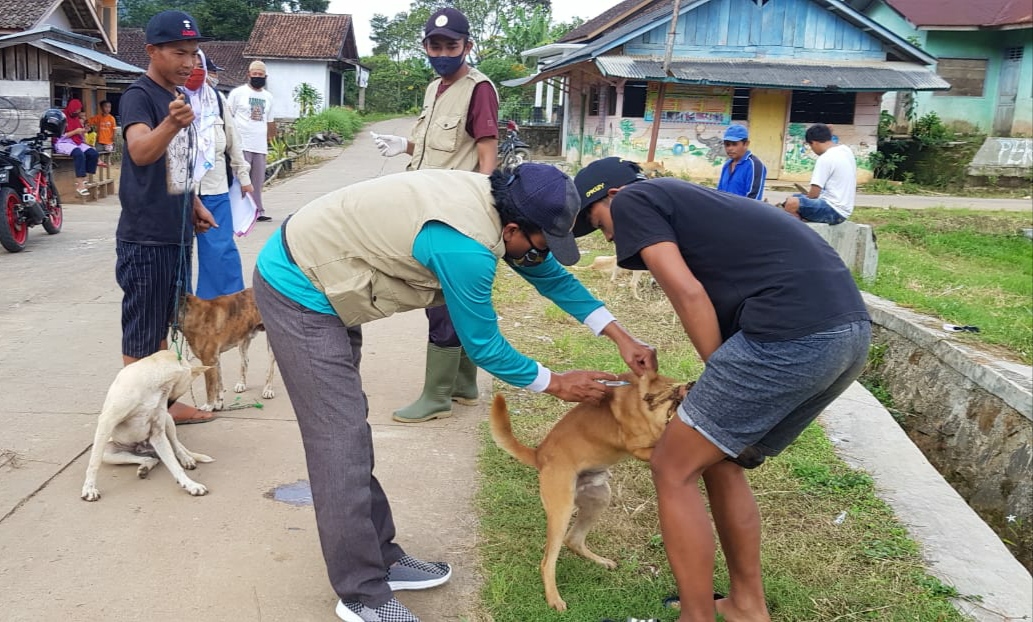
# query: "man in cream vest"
{"type": "Point", "coordinates": [339, 263]}
{"type": "Point", "coordinates": [457, 129]}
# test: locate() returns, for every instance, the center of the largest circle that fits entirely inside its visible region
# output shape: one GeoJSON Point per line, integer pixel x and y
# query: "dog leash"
{"type": "Point", "coordinates": [183, 263]}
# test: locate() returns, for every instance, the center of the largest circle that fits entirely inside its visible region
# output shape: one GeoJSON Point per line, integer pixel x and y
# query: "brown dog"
{"type": "Point", "coordinates": [574, 458]}
{"type": "Point", "coordinates": [214, 326]}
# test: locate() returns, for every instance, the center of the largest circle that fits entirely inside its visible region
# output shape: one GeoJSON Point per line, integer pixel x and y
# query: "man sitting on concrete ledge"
{"type": "Point", "coordinates": [833, 182]}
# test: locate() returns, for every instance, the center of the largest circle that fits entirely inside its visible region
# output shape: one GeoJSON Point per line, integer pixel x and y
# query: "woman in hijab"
{"type": "Point", "coordinates": [72, 143]}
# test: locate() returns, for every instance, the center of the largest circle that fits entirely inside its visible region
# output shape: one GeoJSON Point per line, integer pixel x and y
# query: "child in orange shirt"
{"type": "Point", "coordinates": [104, 125]}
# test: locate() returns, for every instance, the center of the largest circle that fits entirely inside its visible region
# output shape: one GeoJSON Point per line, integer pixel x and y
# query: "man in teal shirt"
{"type": "Point", "coordinates": [388, 245]}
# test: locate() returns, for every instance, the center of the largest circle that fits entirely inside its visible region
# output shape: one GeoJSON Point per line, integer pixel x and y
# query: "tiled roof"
{"type": "Point", "coordinates": [322, 36]}
{"type": "Point", "coordinates": [230, 56]}
{"type": "Point", "coordinates": [131, 47]}
{"type": "Point", "coordinates": [227, 54]}
{"type": "Point", "coordinates": [22, 14]}
{"type": "Point", "coordinates": [954, 13]}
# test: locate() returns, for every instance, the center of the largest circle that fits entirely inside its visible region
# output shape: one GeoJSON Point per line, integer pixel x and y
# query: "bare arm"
{"type": "Point", "coordinates": [687, 295]}
{"type": "Point", "coordinates": [270, 131]}
{"type": "Point", "coordinates": [146, 145]}
{"type": "Point", "coordinates": [814, 192]}
{"type": "Point", "coordinates": [487, 155]}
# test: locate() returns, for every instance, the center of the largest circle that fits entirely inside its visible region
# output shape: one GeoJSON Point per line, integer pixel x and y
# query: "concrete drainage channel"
{"type": "Point", "coordinates": [970, 412]}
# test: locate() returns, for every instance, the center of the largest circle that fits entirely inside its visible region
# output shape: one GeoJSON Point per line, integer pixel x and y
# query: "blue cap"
{"type": "Point", "coordinates": [548, 198]}
{"type": "Point", "coordinates": [169, 26]}
{"type": "Point", "coordinates": [736, 133]}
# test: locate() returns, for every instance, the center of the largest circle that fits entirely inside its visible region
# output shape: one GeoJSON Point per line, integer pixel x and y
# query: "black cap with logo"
{"type": "Point", "coordinates": [596, 179]}
{"type": "Point", "coordinates": [447, 22]}
{"type": "Point", "coordinates": [170, 26]}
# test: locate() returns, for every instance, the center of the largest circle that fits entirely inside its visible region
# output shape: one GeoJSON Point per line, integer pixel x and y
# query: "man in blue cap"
{"type": "Point", "coordinates": [338, 263]}
{"type": "Point", "coordinates": [160, 209]}
{"type": "Point", "coordinates": [743, 173]}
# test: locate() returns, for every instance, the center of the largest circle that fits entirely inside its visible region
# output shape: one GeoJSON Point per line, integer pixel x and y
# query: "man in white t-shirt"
{"type": "Point", "coordinates": [833, 182]}
{"type": "Point", "coordinates": [252, 109]}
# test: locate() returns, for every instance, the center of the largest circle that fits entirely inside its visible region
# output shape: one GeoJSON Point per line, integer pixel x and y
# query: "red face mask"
{"type": "Point", "coordinates": [195, 80]}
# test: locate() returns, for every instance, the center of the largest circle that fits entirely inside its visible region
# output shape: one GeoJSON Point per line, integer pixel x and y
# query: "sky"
{"type": "Point", "coordinates": [362, 11]}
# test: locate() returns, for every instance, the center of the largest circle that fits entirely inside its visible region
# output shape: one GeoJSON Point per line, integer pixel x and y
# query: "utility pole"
{"type": "Point", "coordinates": [659, 108]}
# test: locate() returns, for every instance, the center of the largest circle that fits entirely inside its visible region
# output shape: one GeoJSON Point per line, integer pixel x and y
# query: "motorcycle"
{"type": "Point", "coordinates": [28, 196]}
{"type": "Point", "coordinates": [512, 151]}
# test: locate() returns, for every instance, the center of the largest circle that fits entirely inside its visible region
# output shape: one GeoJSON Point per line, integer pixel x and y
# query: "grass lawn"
{"type": "Point", "coordinates": [966, 267]}
{"type": "Point", "coordinates": [816, 568]}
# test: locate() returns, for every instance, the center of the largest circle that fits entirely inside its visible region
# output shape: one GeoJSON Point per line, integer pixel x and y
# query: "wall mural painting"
{"type": "Point", "coordinates": [685, 103]}
{"type": "Point", "coordinates": [800, 159]}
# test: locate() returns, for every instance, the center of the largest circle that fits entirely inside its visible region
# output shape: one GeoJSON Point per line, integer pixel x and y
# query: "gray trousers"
{"type": "Point", "coordinates": [319, 359]}
{"type": "Point", "coordinates": [257, 163]}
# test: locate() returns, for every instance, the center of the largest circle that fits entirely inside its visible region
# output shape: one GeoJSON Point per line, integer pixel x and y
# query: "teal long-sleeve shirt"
{"type": "Point", "coordinates": [466, 271]}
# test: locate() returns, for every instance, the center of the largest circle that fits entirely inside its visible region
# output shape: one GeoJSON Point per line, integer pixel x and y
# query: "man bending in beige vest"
{"type": "Point", "coordinates": [457, 129]}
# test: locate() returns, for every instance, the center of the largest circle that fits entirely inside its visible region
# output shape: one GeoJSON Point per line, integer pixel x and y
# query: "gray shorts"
{"type": "Point", "coordinates": [763, 394]}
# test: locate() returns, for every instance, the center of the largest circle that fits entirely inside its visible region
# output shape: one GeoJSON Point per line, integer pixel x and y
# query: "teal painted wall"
{"type": "Point", "coordinates": [985, 44]}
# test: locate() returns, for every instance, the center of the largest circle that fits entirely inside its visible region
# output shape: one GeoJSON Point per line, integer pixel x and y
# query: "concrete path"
{"type": "Point", "coordinates": [147, 549]}
{"type": "Point", "coordinates": [916, 201]}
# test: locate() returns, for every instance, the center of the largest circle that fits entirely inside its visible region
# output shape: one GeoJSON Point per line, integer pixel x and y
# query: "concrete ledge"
{"type": "Point", "coordinates": [961, 550]}
{"type": "Point", "coordinates": [855, 244]}
{"type": "Point", "coordinates": [1012, 382]}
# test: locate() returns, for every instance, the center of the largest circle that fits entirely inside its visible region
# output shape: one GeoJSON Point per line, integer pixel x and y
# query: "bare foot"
{"type": "Point", "coordinates": [732, 613]}
{"type": "Point", "coordinates": [186, 414]}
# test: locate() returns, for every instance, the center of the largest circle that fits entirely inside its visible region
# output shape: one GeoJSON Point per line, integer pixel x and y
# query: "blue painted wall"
{"type": "Point", "coordinates": [798, 29]}
{"type": "Point", "coordinates": [977, 44]}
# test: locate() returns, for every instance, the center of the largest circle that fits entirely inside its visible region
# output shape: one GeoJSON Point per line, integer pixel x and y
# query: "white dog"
{"type": "Point", "coordinates": [136, 419]}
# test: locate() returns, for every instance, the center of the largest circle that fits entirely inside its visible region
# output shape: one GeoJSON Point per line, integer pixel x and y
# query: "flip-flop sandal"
{"type": "Point", "coordinates": [673, 602]}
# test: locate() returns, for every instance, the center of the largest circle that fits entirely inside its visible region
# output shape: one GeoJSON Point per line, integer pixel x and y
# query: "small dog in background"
{"type": "Point", "coordinates": [608, 263]}
{"type": "Point", "coordinates": [653, 169]}
{"type": "Point", "coordinates": [214, 326]}
{"type": "Point", "coordinates": [135, 426]}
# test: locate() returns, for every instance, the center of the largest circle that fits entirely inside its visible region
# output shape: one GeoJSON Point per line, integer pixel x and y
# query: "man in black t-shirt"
{"type": "Point", "coordinates": [160, 211]}
{"type": "Point", "coordinates": [778, 320]}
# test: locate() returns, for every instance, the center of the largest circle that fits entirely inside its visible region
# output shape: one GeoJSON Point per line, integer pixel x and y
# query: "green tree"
{"type": "Point", "coordinates": [402, 35]}
{"type": "Point", "coordinates": [396, 86]}
{"type": "Point", "coordinates": [307, 98]}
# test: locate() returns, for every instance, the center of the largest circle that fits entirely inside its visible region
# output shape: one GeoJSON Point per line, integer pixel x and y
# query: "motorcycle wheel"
{"type": "Point", "coordinates": [13, 230]}
{"type": "Point", "coordinates": [515, 158]}
{"type": "Point", "coordinates": [55, 213]}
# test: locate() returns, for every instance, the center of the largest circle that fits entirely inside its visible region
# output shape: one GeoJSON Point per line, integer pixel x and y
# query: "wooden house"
{"type": "Point", "coordinates": [775, 66]}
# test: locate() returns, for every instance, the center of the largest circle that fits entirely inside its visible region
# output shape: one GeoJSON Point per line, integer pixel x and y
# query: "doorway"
{"type": "Point", "coordinates": [768, 114]}
{"type": "Point", "coordinates": [1007, 90]}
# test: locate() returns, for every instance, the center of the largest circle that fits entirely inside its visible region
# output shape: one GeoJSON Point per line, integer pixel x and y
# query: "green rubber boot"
{"type": "Point", "coordinates": [464, 389]}
{"type": "Point", "coordinates": [436, 400]}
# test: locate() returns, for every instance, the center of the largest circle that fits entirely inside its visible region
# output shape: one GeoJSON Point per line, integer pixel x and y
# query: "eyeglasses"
{"type": "Point", "coordinates": [533, 257]}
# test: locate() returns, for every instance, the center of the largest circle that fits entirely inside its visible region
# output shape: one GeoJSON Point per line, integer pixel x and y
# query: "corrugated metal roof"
{"type": "Point", "coordinates": [108, 62]}
{"type": "Point", "coordinates": [882, 76]}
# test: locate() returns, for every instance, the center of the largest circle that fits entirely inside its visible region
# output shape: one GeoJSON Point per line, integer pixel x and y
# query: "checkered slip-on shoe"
{"type": "Point", "coordinates": [391, 611]}
{"type": "Point", "coordinates": [410, 573]}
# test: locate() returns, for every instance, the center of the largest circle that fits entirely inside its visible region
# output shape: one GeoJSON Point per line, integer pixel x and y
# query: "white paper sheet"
{"type": "Point", "coordinates": [243, 209]}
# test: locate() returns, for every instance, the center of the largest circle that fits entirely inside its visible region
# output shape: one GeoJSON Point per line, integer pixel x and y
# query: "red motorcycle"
{"type": "Point", "coordinates": [28, 196]}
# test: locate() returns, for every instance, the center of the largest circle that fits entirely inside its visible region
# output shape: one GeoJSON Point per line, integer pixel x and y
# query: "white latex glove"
{"type": "Point", "coordinates": [389, 145]}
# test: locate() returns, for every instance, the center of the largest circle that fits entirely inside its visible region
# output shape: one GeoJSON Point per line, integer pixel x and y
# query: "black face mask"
{"type": "Point", "coordinates": [256, 82]}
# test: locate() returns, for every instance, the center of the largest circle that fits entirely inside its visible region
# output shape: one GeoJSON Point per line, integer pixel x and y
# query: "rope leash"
{"type": "Point", "coordinates": [183, 262]}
